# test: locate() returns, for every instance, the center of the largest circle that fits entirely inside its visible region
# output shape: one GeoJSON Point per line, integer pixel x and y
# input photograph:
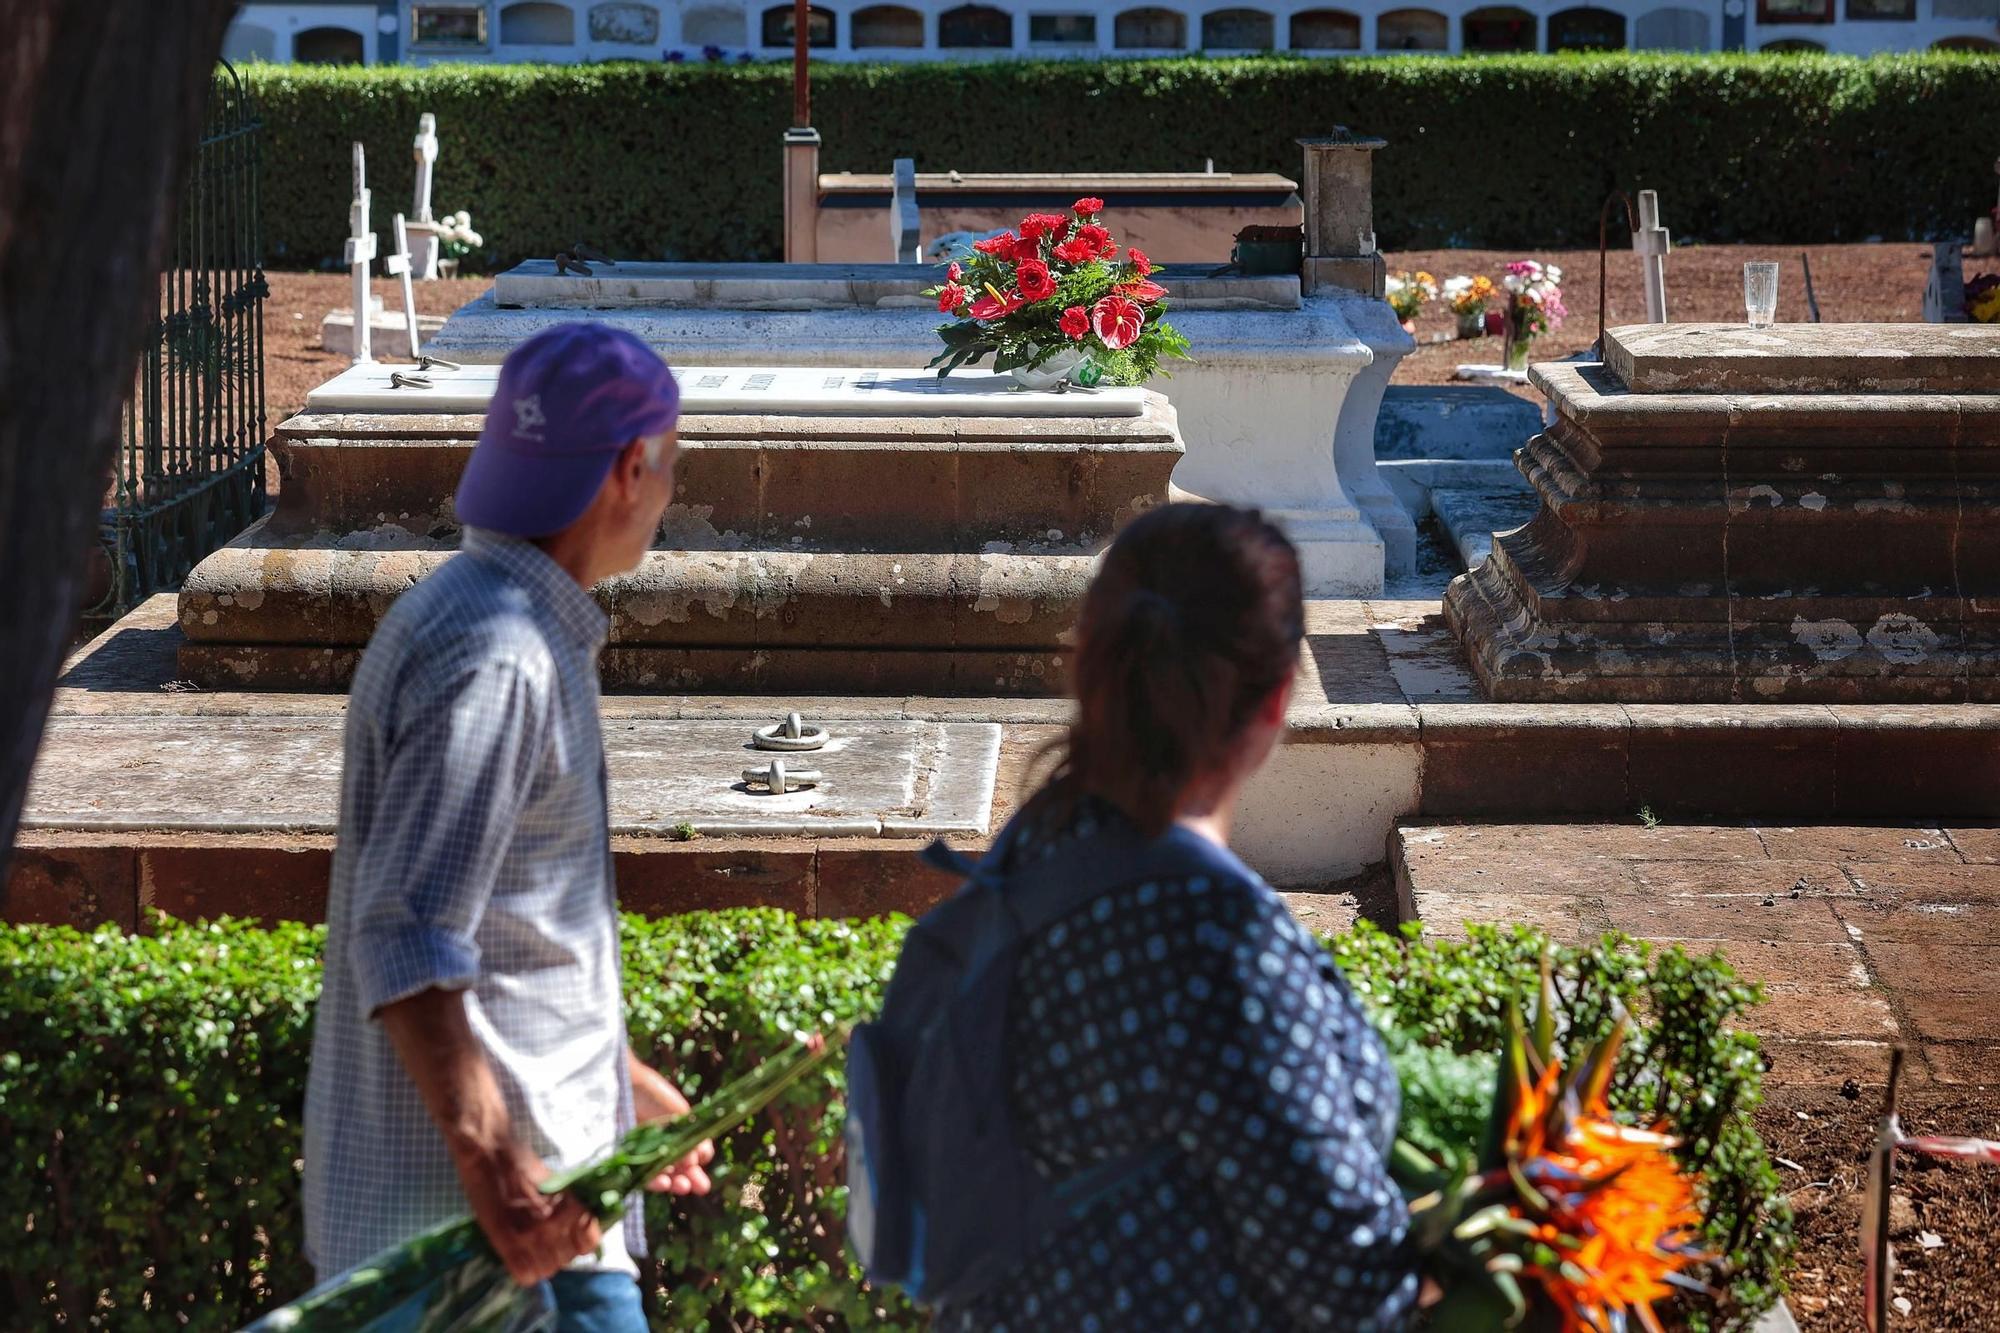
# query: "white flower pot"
{"type": "Point", "coordinates": [1051, 372]}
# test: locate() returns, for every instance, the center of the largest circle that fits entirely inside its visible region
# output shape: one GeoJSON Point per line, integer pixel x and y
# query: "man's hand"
{"type": "Point", "coordinates": [655, 1098]}
{"type": "Point", "coordinates": [535, 1234]}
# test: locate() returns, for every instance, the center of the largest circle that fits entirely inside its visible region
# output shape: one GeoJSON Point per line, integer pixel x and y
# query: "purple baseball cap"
{"type": "Point", "coordinates": [568, 401]}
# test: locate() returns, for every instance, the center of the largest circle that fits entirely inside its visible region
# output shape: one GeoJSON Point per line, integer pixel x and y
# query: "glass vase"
{"type": "Point", "coordinates": [1517, 351]}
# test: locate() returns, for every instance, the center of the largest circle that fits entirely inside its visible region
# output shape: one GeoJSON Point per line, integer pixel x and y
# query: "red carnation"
{"type": "Point", "coordinates": [1117, 321]}
{"type": "Point", "coordinates": [1028, 247]}
{"type": "Point", "coordinates": [1097, 238]}
{"type": "Point", "coordinates": [1076, 251]}
{"type": "Point", "coordinates": [1140, 263]}
{"type": "Point", "coordinates": [1089, 206]}
{"type": "Point", "coordinates": [1038, 225]}
{"type": "Point", "coordinates": [1003, 244]}
{"type": "Point", "coordinates": [1032, 277]}
{"type": "Point", "coordinates": [1075, 322]}
{"type": "Point", "coordinates": [1142, 291]}
{"type": "Point", "coordinates": [951, 296]}
{"type": "Point", "coordinates": [954, 273]}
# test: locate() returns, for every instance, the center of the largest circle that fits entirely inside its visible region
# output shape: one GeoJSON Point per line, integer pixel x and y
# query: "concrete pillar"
{"type": "Point", "coordinates": [801, 195]}
{"type": "Point", "coordinates": [1339, 194]}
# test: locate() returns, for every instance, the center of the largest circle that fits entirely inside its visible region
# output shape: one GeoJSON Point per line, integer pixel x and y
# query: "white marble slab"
{"type": "Point", "coordinates": [535, 284]}
{"type": "Point", "coordinates": [268, 774]}
{"type": "Point", "coordinates": [807, 391]}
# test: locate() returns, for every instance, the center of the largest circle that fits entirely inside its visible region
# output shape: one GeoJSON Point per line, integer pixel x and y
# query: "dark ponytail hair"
{"type": "Point", "coordinates": [1194, 617]}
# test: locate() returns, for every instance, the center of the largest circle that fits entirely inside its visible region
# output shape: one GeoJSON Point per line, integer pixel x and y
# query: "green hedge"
{"type": "Point", "coordinates": [682, 161]}
{"type": "Point", "coordinates": [150, 1092]}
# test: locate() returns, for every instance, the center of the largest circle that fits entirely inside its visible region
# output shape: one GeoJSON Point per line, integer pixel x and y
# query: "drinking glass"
{"type": "Point", "coordinates": [1760, 294]}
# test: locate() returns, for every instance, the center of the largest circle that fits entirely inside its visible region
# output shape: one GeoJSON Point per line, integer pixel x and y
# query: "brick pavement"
{"type": "Point", "coordinates": [1863, 936]}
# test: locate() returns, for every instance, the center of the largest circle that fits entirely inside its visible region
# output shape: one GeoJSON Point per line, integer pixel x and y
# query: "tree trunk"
{"type": "Point", "coordinates": [100, 109]}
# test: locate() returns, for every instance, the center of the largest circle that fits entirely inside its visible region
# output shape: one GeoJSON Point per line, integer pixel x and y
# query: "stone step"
{"type": "Point", "coordinates": [1452, 421]}
{"type": "Point", "coordinates": [274, 611]}
{"type": "Point", "coordinates": [1472, 515]}
{"type": "Point", "coordinates": [1864, 937]}
{"type": "Point", "coordinates": [1625, 648]}
{"type": "Point", "coordinates": [892, 483]}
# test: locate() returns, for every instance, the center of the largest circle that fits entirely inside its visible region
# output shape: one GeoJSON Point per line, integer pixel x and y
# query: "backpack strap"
{"type": "Point", "coordinates": [1084, 869]}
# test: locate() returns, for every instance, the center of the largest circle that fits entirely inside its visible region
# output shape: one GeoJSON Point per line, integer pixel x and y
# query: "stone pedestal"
{"type": "Point", "coordinates": [1375, 324]}
{"type": "Point", "coordinates": [1804, 513]}
{"type": "Point", "coordinates": [836, 531]}
{"type": "Point", "coordinates": [1340, 213]}
{"type": "Point", "coordinates": [801, 195]}
{"type": "Point", "coordinates": [1278, 383]}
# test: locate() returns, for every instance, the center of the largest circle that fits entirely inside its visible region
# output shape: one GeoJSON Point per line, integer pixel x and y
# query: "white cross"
{"type": "Point", "coordinates": [424, 259]}
{"type": "Point", "coordinates": [360, 253]}
{"type": "Point", "coordinates": [397, 265]}
{"type": "Point", "coordinates": [1652, 244]}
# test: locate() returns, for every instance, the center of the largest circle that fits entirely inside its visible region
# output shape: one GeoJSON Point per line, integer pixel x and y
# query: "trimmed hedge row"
{"type": "Point", "coordinates": [151, 1089]}
{"type": "Point", "coordinates": [682, 161]}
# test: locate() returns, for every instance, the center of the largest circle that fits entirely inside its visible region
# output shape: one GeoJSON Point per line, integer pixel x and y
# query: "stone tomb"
{"type": "Point", "coordinates": [1277, 409]}
{"type": "Point", "coordinates": [1800, 514]}
{"type": "Point", "coordinates": [835, 531]}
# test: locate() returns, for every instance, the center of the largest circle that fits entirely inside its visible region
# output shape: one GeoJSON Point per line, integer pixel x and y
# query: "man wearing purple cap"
{"type": "Point", "coordinates": [471, 1038]}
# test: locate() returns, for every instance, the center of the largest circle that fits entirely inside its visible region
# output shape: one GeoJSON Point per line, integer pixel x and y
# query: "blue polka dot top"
{"type": "Point", "coordinates": [1200, 1013]}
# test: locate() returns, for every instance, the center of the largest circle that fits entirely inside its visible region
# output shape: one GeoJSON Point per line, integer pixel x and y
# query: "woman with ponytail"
{"type": "Point", "coordinates": [1183, 1063]}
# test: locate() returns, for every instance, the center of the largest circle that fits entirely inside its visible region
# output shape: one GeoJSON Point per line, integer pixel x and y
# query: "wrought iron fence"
{"type": "Point", "coordinates": [190, 471]}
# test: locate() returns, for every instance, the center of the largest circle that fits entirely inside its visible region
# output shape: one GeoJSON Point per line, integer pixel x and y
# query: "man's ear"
{"type": "Point", "coordinates": [631, 466]}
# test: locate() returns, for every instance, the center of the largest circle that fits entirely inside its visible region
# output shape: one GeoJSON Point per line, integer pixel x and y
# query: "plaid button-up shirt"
{"type": "Point", "coordinates": [473, 855]}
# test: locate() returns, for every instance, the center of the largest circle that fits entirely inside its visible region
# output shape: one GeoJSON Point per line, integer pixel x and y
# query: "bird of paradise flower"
{"type": "Point", "coordinates": [1565, 1218]}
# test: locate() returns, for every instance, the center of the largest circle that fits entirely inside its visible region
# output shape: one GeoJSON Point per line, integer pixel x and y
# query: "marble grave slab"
{"type": "Point", "coordinates": [277, 773]}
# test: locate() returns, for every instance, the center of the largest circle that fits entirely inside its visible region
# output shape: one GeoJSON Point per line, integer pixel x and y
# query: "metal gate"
{"type": "Point", "coordinates": [190, 472]}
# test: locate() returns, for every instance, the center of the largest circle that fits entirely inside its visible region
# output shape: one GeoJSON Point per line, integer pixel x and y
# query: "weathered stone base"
{"type": "Point", "coordinates": [1796, 515]}
{"type": "Point", "coordinates": [1534, 639]}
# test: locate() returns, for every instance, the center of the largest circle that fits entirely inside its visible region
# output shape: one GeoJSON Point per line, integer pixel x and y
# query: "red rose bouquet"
{"type": "Point", "coordinates": [1057, 297]}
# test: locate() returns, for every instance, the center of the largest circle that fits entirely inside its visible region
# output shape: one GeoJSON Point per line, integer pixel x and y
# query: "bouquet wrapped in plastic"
{"type": "Point", "coordinates": [452, 1274]}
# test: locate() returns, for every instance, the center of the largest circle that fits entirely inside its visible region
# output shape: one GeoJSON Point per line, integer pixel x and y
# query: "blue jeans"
{"type": "Point", "coordinates": [597, 1303]}
{"type": "Point", "coordinates": [584, 1303]}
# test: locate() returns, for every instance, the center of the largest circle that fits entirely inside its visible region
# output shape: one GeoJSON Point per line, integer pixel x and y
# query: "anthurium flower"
{"type": "Point", "coordinates": [1117, 321]}
{"type": "Point", "coordinates": [1144, 291]}
{"type": "Point", "coordinates": [1075, 322]}
{"type": "Point", "coordinates": [995, 304]}
{"type": "Point", "coordinates": [1088, 207]}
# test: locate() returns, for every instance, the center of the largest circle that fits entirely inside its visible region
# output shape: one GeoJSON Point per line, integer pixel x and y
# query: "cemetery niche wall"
{"type": "Point", "coordinates": [1797, 514]}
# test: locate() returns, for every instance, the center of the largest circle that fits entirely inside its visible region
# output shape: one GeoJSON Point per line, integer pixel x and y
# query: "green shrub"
{"type": "Point", "coordinates": [682, 161]}
{"type": "Point", "coordinates": [150, 1088]}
